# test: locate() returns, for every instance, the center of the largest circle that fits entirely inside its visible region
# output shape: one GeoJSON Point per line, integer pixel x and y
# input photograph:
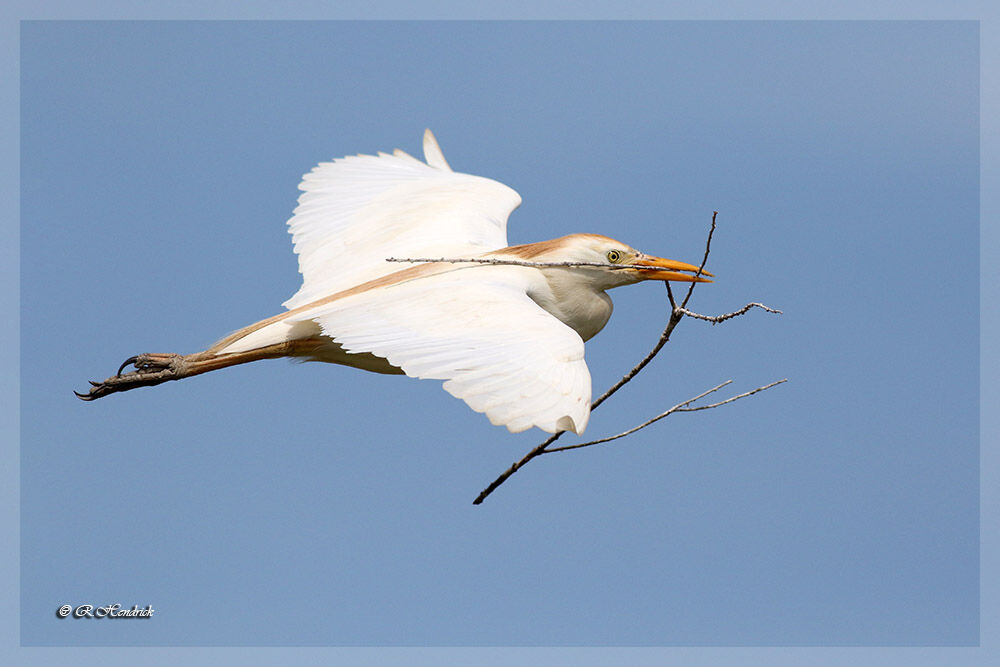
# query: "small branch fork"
{"type": "Point", "coordinates": [680, 407]}
{"type": "Point", "coordinates": [728, 316]}
{"type": "Point", "coordinates": [677, 313]}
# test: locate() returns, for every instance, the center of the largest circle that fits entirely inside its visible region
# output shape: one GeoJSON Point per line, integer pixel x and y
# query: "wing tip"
{"type": "Point", "coordinates": [567, 423]}
{"type": "Point", "coordinates": [564, 423]}
{"type": "Point", "coordinates": [432, 152]}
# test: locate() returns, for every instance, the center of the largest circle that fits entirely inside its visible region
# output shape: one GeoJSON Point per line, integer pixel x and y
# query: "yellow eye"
{"type": "Point", "coordinates": [614, 256]}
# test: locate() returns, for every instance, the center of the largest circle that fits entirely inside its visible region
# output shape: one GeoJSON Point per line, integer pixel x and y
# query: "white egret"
{"type": "Point", "coordinates": [507, 339]}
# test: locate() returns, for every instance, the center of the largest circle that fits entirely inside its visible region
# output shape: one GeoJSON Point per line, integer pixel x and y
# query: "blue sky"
{"type": "Point", "coordinates": [159, 162]}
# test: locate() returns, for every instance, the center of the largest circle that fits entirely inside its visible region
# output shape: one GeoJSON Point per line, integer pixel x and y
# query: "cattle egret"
{"type": "Point", "coordinates": [507, 339]}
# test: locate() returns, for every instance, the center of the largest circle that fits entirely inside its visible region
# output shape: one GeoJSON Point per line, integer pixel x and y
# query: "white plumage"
{"type": "Point", "coordinates": [477, 329]}
{"type": "Point", "coordinates": [357, 211]}
{"type": "Point", "coordinates": [507, 340]}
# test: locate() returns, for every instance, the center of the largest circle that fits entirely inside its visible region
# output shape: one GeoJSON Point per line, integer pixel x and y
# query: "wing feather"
{"type": "Point", "coordinates": [477, 329]}
{"type": "Point", "coordinates": [357, 211]}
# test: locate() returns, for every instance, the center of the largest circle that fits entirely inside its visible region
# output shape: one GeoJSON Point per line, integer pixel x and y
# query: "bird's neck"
{"type": "Point", "coordinates": [574, 302]}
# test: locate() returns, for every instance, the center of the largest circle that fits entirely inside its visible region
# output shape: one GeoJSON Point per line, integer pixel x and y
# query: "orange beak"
{"type": "Point", "coordinates": [666, 269]}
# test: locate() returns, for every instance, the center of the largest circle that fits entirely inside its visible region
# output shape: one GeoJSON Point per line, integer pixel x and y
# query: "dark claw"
{"type": "Point", "coordinates": [125, 363]}
{"type": "Point", "coordinates": [150, 370]}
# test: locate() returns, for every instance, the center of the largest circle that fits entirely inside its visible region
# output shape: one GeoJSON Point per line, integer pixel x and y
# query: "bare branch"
{"type": "Point", "coordinates": [722, 318]}
{"type": "Point", "coordinates": [513, 262]}
{"type": "Point", "coordinates": [680, 407]}
{"type": "Point", "coordinates": [675, 317]}
{"type": "Point", "coordinates": [664, 337]}
{"type": "Point", "coordinates": [734, 398]}
{"type": "Point", "coordinates": [704, 260]}
{"type": "Point", "coordinates": [643, 425]}
{"type": "Point", "coordinates": [516, 466]}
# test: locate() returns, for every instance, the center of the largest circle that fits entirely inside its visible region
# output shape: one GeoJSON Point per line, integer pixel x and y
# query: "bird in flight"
{"type": "Point", "coordinates": [508, 339]}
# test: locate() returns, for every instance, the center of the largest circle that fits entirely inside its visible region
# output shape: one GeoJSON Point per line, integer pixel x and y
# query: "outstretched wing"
{"type": "Point", "coordinates": [357, 211]}
{"type": "Point", "coordinates": [476, 328]}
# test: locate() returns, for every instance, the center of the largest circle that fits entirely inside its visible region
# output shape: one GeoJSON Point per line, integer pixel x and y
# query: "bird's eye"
{"type": "Point", "coordinates": [614, 256]}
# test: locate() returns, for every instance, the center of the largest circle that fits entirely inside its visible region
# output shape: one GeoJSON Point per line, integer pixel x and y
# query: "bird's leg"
{"type": "Point", "coordinates": [155, 368]}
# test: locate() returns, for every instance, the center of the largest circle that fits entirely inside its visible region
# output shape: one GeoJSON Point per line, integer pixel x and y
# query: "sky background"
{"type": "Point", "coordinates": [159, 162]}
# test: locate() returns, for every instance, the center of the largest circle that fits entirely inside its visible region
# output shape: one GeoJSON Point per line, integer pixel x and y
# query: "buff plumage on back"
{"type": "Point", "coordinates": [357, 211]}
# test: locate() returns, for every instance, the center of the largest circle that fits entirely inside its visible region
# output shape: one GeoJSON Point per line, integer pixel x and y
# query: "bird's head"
{"type": "Point", "coordinates": [625, 265]}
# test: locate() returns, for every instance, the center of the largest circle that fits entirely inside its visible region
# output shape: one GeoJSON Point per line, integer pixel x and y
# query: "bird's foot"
{"type": "Point", "coordinates": [150, 369]}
